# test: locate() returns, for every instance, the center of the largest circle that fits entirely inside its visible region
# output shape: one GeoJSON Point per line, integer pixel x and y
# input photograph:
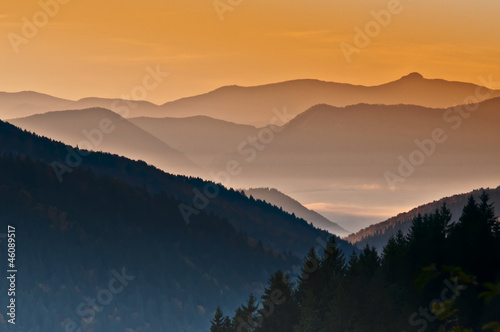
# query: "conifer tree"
{"type": "Point", "coordinates": [309, 314]}
{"type": "Point", "coordinates": [280, 310]}
{"type": "Point", "coordinates": [246, 316]}
{"type": "Point", "coordinates": [217, 321]}
{"type": "Point", "coordinates": [308, 278]}
{"type": "Point", "coordinates": [379, 294]}
{"type": "Point", "coordinates": [331, 274]}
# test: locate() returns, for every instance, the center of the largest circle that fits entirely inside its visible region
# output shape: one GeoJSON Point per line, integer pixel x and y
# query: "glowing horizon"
{"type": "Point", "coordinates": [91, 49]}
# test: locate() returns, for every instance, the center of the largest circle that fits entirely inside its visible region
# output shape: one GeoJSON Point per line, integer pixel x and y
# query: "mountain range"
{"type": "Point", "coordinates": [254, 105]}
{"type": "Point", "coordinates": [327, 157]}
{"type": "Point", "coordinates": [118, 184]}
{"type": "Point", "coordinates": [201, 138]}
{"type": "Point", "coordinates": [257, 219]}
{"type": "Point", "coordinates": [377, 235]}
{"type": "Point", "coordinates": [375, 155]}
{"type": "Point", "coordinates": [195, 242]}
{"type": "Point", "coordinates": [84, 128]}
{"type": "Point", "coordinates": [287, 203]}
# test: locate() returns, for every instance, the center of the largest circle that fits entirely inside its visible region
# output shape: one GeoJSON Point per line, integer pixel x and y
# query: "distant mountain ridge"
{"type": "Point", "coordinates": [277, 229]}
{"type": "Point", "coordinates": [377, 235]}
{"type": "Point", "coordinates": [254, 105]}
{"type": "Point", "coordinates": [112, 212]}
{"type": "Point", "coordinates": [339, 155]}
{"type": "Point", "coordinates": [279, 199]}
{"type": "Point", "coordinates": [89, 228]}
{"type": "Point", "coordinates": [251, 105]}
{"type": "Point", "coordinates": [201, 138]}
{"type": "Point", "coordinates": [120, 136]}
{"type": "Point", "coordinates": [27, 103]}
{"type": "Point", "coordinates": [351, 147]}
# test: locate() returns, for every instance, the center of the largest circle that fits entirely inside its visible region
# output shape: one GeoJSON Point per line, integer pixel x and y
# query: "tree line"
{"type": "Point", "coordinates": [441, 276]}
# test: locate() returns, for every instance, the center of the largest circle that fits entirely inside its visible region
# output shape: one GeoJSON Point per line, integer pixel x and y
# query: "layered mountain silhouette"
{"type": "Point", "coordinates": [259, 220]}
{"type": "Point", "coordinates": [109, 196]}
{"type": "Point", "coordinates": [377, 235]}
{"type": "Point", "coordinates": [201, 138]}
{"type": "Point", "coordinates": [327, 154]}
{"type": "Point", "coordinates": [355, 153]}
{"type": "Point", "coordinates": [88, 232]}
{"type": "Point", "coordinates": [110, 214]}
{"type": "Point", "coordinates": [99, 129]}
{"type": "Point", "coordinates": [254, 105]}
{"type": "Point", "coordinates": [26, 103]}
{"type": "Point", "coordinates": [287, 203]}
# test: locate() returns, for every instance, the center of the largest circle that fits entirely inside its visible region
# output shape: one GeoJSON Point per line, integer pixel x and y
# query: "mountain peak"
{"type": "Point", "coordinates": [413, 76]}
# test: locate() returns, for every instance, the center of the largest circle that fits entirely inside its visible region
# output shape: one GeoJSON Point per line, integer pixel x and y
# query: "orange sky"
{"type": "Point", "coordinates": [101, 48]}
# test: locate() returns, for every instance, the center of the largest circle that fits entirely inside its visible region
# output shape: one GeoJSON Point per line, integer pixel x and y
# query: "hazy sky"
{"type": "Point", "coordinates": [102, 48]}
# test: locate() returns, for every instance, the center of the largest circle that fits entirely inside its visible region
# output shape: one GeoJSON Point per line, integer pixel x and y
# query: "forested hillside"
{"type": "Point", "coordinates": [440, 277]}
{"type": "Point", "coordinates": [106, 215]}
{"type": "Point", "coordinates": [274, 227]}
{"type": "Point", "coordinates": [377, 235]}
{"type": "Point", "coordinates": [72, 235]}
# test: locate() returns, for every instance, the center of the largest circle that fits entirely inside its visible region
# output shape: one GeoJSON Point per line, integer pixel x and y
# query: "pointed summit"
{"type": "Point", "coordinates": [413, 76]}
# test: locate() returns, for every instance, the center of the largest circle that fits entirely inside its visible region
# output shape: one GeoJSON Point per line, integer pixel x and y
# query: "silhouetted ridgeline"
{"type": "Point", "coordinates": [254, 104]}
{"type": "Point", "coordinates": [72, 235]}
{"type": "Point", "coordinates": [276, 228]}
{"type": "Point", "coordinates": [110, 213]}
{"type": "Point", "coordinates": [377, 235]}
{"type": "Point", "coordinates": [440, 277]}
{"type": "Point", "coordinates": [289, 204]}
